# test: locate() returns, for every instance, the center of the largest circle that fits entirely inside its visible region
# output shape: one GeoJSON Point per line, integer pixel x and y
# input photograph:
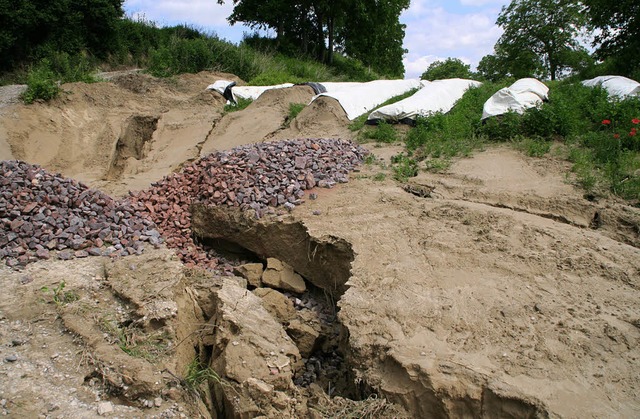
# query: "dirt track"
{"type": "Point", "coordinates": [492, 290]}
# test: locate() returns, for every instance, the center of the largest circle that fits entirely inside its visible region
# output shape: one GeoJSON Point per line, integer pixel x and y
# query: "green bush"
{"type": "Point", "coordinates": [181, 55]}
{"type": "Point", "coordinates": [502, 127]}
{"type": "Point", "coordinates": [352, 69]}
{"type": "Point", "coordinates": [454, 133]}
{"type": "Point", "coordinates": [42, 83]}
{"type": "Point", "coordinates": [295, 109]}
{"type": "Point", "coordinates": [404, 167]}
{"type": "Point", "coordinates": [73, 68]}
{"type": "Point", "coordinates": [384, 132]}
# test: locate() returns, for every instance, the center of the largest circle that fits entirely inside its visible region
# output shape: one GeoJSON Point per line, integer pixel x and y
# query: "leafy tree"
{"type": "Point", "coordinates": [447, 69]}
{"type": "Point", "coordinates": [546, 28]}
{"type": "Point", "coordinates": [368, 31]}
{"type": "Point", "coordinates": [516, 64]}
{"type": "Point", "coordinates": [372, 33]}
{"type": "Point", "coordinates": [619, 37]}
{"type": "Point", "coordinates": [32, 29]}
{"type": "Point", "coordinates": [491, 68]}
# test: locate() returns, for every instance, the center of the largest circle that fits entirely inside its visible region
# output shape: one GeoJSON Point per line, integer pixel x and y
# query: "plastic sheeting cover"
{"type": "Point", "coordinates": [359, 98]}
{"type": "Point", "coordinates": [618, 86]}
{"type": "Point", "coordinates": [520, 96]}
{"type": "Point", "coordinates": [435, 96]}
{"type": "Point", "coordinates": [244, 92]}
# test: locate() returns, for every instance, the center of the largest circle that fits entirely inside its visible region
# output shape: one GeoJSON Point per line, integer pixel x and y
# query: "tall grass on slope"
{"type": "Point", "coordinates": [44, 79]}
{"type": "Point", "coordinates": [454, 133]}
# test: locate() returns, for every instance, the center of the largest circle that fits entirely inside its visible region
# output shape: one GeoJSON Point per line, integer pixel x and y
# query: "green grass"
{"type": "Point", "coordinates": [404, 167]}
{"type": "Point", "coordinates": [532, 147]}
{"type": "Point", "coordinates": [198, 374]}
{"type": "Point", "coordinates": [437, 165]}
{"type": "Point", "coordinates": [234, 107]}
{"type": "Point", "coordinates": [383, 133]}
{"type": "Point", "coordinates": [295, 109]}
{"type": "Point", "coordinates": [59, 296]}
{"type": "Point", "coordinates": [133, 341]}
{"type": "Point", "coordinates": [360, 121]}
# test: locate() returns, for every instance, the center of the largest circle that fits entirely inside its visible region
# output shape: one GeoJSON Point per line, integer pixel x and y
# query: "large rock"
{"type": "Point", "coordinates": [276, 303]}
{"type": "Point", "coordinates": [281, 276]}
{"type": "Point", "coordinates": [252, 272]}
{"type": "Point", "coordinates": [254, 355]}
{"type": "Point", "coordinates": [249, 341]}
{"type": "Point", "coordinates": [304, 336]}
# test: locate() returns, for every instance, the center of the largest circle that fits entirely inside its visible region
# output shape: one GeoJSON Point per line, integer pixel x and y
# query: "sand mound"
{"type": "Point", "coordinates": [324, 117]}
{"type": "Point", "coordinates": [118, 135]}
{"type": "Point", "coordinates": [258, 121]}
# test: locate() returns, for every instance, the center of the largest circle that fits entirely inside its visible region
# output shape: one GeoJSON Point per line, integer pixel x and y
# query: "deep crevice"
{"type": "Point", "coordinates": [136, 134]}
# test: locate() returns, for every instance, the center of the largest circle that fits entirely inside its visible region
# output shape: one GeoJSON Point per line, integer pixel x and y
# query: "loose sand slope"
{"type": "Point", "coordinates": [492, 290]}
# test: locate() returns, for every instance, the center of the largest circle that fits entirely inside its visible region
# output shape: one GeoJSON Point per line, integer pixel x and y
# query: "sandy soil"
{"type": "Point", "coordinates": [498, 291]}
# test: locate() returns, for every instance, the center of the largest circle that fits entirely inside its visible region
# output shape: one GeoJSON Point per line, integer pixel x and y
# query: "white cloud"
{"type": "Point", "coordinates": [206, 14]}
{"type": "Point", "coordinates": [479, 3]}
{"type": "Point", "coordinates": [415, 65]}
{"type": "Point", "coordinates": [435, 32]}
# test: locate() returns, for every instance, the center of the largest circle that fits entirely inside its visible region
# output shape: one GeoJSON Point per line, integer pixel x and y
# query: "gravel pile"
{"type": "Point", "coordinates": [256, 177]}
{"type": "Point", "coordinates": [45, 215]}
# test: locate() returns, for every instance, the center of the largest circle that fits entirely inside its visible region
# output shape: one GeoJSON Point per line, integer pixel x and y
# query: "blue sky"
{"type": "Point", "coordinates": [436, 29]}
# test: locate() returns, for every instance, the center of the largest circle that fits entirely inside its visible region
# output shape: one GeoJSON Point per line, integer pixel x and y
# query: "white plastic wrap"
{"type": "Point", "coordinates": [520, 96]}
{"type": "Point", "coordinates": [359, 98]}
{"type": "Point", "coordinates": [434, 96]}
{"type": "Point", "coordinates": [617, 86]}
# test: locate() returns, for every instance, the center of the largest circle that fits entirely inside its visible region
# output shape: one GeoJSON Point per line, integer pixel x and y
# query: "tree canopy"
{"type": "Point", "coordinates": [447, 69]}
{"type": "Point", "coordinates": [29, 29]}
{"type": "Point", "coordinates": [366, 30]}
{"type": "Point", "coordinates": [619, 36]}
{"type": "Point", "coordinates": [539, 39]}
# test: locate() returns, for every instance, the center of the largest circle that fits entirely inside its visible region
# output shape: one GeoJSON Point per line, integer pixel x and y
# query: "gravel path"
{"type": "Point", "coordinates": [10, 94]}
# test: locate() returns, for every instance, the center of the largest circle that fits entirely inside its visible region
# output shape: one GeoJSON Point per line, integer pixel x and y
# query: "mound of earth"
{"type": "Point", "coordinates": [494, 289]}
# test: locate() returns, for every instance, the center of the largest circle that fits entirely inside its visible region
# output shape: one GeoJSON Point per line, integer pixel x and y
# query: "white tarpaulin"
{"type": "Point", "coordinates": [243, 92]}
{"type": "Point", "coordinates": [520, 96]}
{"type": "Point", "coordinates": [618, 86]}
{"type": "Point", "coordinates": [434, 96]}
{"type": "Point", "coordinates": [359, 98]}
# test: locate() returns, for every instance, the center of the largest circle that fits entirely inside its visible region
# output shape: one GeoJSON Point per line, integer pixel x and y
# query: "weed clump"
{"type": "Point", "coordinates": [44, 79]}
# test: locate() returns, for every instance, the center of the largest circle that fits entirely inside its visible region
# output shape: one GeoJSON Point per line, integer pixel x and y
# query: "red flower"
{"type": "Point", "coordinates": [616, 136]}
{"type": "Point", "coordinates": [632, 133]}
{"type": "Point", "coordinates": [635, 121]}
{"type": "Point", "coordinates": [606, 122]}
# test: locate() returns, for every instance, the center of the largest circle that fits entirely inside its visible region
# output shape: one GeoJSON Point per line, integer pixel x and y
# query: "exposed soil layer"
{"type": "Point", "coordinates": [494, 289]}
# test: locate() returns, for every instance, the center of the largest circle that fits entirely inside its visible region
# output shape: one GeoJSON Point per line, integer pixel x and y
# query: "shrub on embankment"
{"type": "Point", "coordinates": [165, 52]}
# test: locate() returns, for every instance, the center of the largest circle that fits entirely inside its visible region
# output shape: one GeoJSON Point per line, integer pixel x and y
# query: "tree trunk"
{"type": "Point", "coordinates": [330, 29]}
{"type": "Point", "coordinates": [305, 34]}
{"type": "Point", "coordinates": [280, 33]}
{"type": "Point", "coordinates": [320, 18]}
